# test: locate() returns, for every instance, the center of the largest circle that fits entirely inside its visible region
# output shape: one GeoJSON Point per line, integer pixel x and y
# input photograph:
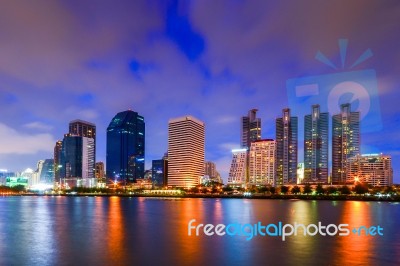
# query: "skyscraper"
{"type": "Point", "coordinates": [84, 129]}
{"type": "Point", "coordinates": [286, 152]}
{"type": "Point", "coordinates": [186, 145]}
{"type": "Point", "coordinates": [77, 159]}
{"type": "Point", "coordinates": [210, 169]}
{"type": "Point", "coordinates": [345, 141]}
{"type": "Point", "coordinates": [35, 177]}
{"type": "Point", "coordinates": [125, 147]}
{"type": "Point", "coordinates": [250, 129]}
{"type": "Point", "coordinates": [47, 172]}
{"type": "Point", "coordinates": [99, 171]}
{"type": "Point", "coordinates": [238, 169]}
{"type": "Point", "coordinates": [262, 162]}
{"type": "Point", "coordinates": [316, 126]}
{"type": "Point", "coordinates": [159, 169]}
{"type": "Point", "coordinates": [57, 160]}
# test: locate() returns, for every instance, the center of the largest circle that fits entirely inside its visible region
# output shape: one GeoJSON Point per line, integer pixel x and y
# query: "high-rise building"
{"type": "Point", "coordinates": [82, 128]}
{"type": "Point", "coordinates": [210, 169]}
{"type": "Point", "coordinates": [47, 172]}
{"type": "Point", "coordinates": [57, 160]}
{"type": "Point", "coordinates": [316, 131]}
{"type": "Point", "coordinates": [345, 141]}
{"type": "Point", "coordinates": [262, 162]}
{"type": "Point", "coordinates": [286, 152]}
{"type": "Point", "coordinates": [371, 169]}
{"type": "Point", "coordinates": [31, 175]}
{"type": "Point", "coordinates": [86, 129]}
{"type": "Point", "coordinates": [159, 170]}
{"type": "Point", "coordinates": [77, 158]}
{"type": "Point", "coordinates": [250, 129]}
{"type": "Point", "coordinates": [39, 168]}
{"type": "Point", "coordinates": [99, 170]}
{"type": "Point", "coordinates": [125, 147]}
{"type": "Point", "coordinates": [34, 176]}
{"type": "Point", "coordinates": [238, 169]}
{"type": "Point", "coordinates": [186, 145]}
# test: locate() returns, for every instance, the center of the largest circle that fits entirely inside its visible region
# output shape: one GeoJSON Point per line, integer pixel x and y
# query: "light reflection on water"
{"type": "Point", "coordinates": [126, 231]}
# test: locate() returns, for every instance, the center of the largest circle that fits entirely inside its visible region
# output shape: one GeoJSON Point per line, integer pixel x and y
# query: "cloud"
{"type": "Point", "coordinates": [229, 146]}
{"type": "Point", "coordinates": [226, 119]}
{"type": "Point", "coordinates": [85, 114]}
{"type": "Point", "coordinates": [39, 126]}
{"type": "Point", "coordinates": [13, 141]}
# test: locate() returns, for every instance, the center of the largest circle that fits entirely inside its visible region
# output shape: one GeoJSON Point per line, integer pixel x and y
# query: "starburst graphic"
{"type": "Point", "coordinates": [343, 52]}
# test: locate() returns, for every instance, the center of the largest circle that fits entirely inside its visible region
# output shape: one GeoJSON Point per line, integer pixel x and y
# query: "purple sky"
{"type": "Point", "coordinates": [63, 60]}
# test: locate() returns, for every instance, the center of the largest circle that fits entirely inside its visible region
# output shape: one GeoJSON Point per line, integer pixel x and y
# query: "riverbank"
{"type": "Point", "coordinates": [393, 198]}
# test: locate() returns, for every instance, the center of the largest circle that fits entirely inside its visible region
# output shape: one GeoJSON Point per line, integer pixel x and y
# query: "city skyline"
{"type": "Point", "coordinates": [91, 67]}
{"type": "Point", "coordinates": [342, 124]}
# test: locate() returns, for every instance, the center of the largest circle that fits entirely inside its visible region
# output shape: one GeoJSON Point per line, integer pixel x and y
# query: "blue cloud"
{"type": "Point", "coordinates": [134, 66]}
{"type": "Point", "coordinates": [8, 98]}
{"type": "Point", "coordinates": [97, 65]}
{"type": "Point", "coordinates": [179, 29]}
{"type": "Point", "coordinates": [86, 98]}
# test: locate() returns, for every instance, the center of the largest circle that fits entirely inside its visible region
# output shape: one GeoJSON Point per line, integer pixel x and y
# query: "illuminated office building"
{"type": "Point", "coordinates": [77, 158]}
{"type": "Point", "coordinates": [250, 129]}
{"type": "Point", "coordinates": [210, 169]}
{"type": "Point", "coordinates": [99, 171]}
{"type": "Point", "coordinates": [238, 168]}
{"type": "Point", "coordinates": [262, 162]}
{"type": "Point", "coordinates": [316, 130]}
{"type": "Point", "coordinates": [286, 152]}
{"type": "Point", "coordinates": [83, 129]}
{"type": "Point", "coordinates": [57, 160]}
{"type": "Point", "coordinates": [186, 145]}
{"type": "Point", "coordinates": [345, 141]}
{"type": "Point", "coordinates": [159, 169]}
{"type": "Point", "coordinates": [47, 172]}
{"type": "Point", "coordinates": [371, 169]}
{"type": "Point", "coordinates": [125, 147]}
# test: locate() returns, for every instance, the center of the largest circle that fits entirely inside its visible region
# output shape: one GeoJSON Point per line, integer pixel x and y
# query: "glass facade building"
{"type": "Point", "coordinates": [286, 149]}
{"type": "Point", "coordinates": [57, 160]}
{"type": "Point", "coordinates": [250, 129]}
{"type": "Point", "coordinates": [77, 157]}
{"type": "Point", "coordinates": [345, 141]}
{"type": "Point", "coordinates": [159, 170]}
{"type": "Point", "coordinates": [84, 129]}
{"type": "Point", "coordinates": [125, 147]}
{"type": "Point", "coordinates": [47, 172]}
{"type": "Point", "coordinates": [316, 131]}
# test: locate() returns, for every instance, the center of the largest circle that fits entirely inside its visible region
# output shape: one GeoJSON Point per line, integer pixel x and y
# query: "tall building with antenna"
{"type": "Point", "coordinates": [250, 129]}
{"type": "Point", "coordinates": [345, 141]}
{"type": "Point", "coordinates": [286, 148]}
{"type": "Point", "coordinates": [316, 131]}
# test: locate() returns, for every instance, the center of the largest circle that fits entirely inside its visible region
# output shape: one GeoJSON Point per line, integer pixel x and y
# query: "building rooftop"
{"type": "Point", "coordinates": [184, 118]}
{"type": "Point", "coordinates": [82, 121]}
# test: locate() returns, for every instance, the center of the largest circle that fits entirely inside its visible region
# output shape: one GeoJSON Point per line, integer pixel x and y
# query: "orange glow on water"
{"type": "Point", "coordinates": [115, 230]}
{"type": "Point", "coordinates": [356, 248]}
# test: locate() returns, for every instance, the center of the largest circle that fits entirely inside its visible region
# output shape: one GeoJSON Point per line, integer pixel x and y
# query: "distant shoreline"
{"type": "Point", "coordinates": [393, 198]}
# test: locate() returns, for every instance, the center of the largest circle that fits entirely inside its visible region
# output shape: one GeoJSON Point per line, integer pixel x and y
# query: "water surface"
{"type": "Point", "coordinates": [133, 231]}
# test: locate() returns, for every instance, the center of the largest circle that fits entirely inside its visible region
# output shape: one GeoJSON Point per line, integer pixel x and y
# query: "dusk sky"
{"type": "Point", "coordinates": [215, 60]}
